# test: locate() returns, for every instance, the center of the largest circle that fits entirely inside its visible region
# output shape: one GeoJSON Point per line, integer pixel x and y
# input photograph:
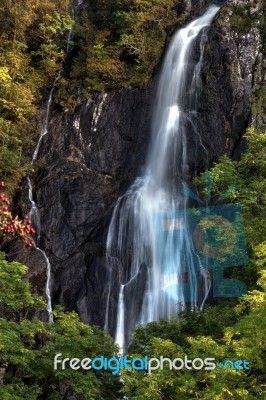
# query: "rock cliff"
{"type": "Point", "coordinates": [90, 157]}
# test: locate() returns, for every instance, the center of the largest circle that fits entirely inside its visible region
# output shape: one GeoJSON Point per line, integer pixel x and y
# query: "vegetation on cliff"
{"type": "Point", "coordinates": [118, 43]}
{"type": "Point", "coordinates": [232, 329]}
{"type": "Point", "coordinates": [33, 39]}
{"type": "Point", "coordinates": [121, 42]}
{"type": "Point", "coordinates": [115, 44]}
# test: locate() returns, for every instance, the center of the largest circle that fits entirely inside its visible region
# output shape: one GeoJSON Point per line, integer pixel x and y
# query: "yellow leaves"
{"type": "Point", "coordinates": [133, 44]}
{"type": "Point", "coordinates": [17, 101]}
{"type": "Point", "coordinates": [227, 393]}
{"type": "Point", "coordinates": [256, 298]}
{"type": "Point", "coordinates": [203, 342]}
{"type": "Point", "coordinates": [242, 392]}
{"type": "Point", "coordinates": [55, 24]}
{"type": "Point", "coordinates": [262, 281]}
{"type": "Point", "coordinates": [228, 335]}
{"type": "Point", "coordinates": [255, 155]}
{"type": "Point", "coordinates": [103, 71]}
{"type": "Point", "coordinates": [5, 78]}
{"type": "Point", "coordinates": [260, 254]}
{"type": "Point", "coordinates": [166, 348]}
{"type": "Point", "coordinates": [252, 299]}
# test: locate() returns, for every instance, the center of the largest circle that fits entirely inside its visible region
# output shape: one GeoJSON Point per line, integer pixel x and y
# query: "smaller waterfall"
{"type": "Point", "coordinates": [34, 214]}
{"type": "Point", "coordinates": [69, 37]}
{"type": "Point", "coordinates": [71, 30]}
{"type": "Point", "coordinates": [45, 126]}
{"type": "Point", "coordinates": [120, 331]}
{"type": "Point", "coordinates": [106, 319]}
{"type": "Point", "coordinates": [44, 129]}
{"type": "Point", "coordinates": [97, 112]}
{"type": "Point", "coordinates": [107, 307]}
{"type": "Point", "coordinates": [47, 286]}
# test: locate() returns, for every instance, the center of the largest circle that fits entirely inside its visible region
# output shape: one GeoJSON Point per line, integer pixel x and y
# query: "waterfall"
{"type": "Point", "coordinates": [34, 214]}
{"type": "Point", "coordinates": [150, 224]}
{"type": "Point", "coordinates": [44, 129]}
{"type": "Point", "coordinates": [97, 112]}
{"type": "Point", "coordinates": [34, 217]}
{"type": "Point", "coordinates": [120, 337]}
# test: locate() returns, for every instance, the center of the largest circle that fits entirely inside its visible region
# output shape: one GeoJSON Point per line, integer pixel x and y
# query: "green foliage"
{"type": "Point", "coordinates": [28, 347]}
{"type": "Point", "coordinates": [120, 42]}
{"type": "Point", "coordinates": [230, 330]}
{"type": "Point", "coordinates": [242, 19]}
{"type": "Point", "coordinates": [248, 178]}
{"type": "Point", "coordinates": [51, 52]}
{"type": "Point", "coordinates": [189, 324]}
{"type": "Point", "coordinates": [243, 340]}
{"type": "Point", "coordinates": [33, 40]}
{"type": "Point", "coordinates": [14, 292]}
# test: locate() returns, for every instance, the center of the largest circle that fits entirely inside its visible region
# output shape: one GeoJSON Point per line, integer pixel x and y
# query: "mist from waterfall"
{"type": "Point", "coordinates": [148, 232]}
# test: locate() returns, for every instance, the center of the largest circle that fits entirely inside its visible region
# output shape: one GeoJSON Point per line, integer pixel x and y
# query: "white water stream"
{"type": "Point", "coordinates": [34, 214]}
{"type": "Point", "coordinates": [149, 223]}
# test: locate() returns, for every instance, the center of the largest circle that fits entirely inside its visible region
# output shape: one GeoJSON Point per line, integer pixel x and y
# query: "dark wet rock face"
{"type": "Point", "coordinates": [232, 72]}
{"type": "Point", "coordinates": [92, 156]}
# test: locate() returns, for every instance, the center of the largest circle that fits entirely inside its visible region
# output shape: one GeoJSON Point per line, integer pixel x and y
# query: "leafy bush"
{"type": "Point", "coordinates": [33, 43]}
{"type": "Point", "coordinates": [120, 42]}
{"type": "Point", "coordinates": [28, 347]}
{"type": "Point", "coordinates": [231, 330]}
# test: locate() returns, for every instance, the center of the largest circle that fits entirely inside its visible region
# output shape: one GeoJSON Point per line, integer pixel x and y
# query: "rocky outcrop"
{"type": "Point", "coordinates": [90, 157]}
{"type": "Point", "coordinates": [233, 72]}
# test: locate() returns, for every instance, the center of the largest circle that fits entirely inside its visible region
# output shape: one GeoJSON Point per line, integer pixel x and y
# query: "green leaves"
{"type": "Point", "coordinates": [53, 32]}
{"type": "Point", "coordinates": [28, 347]}
{"type": "Point", "coordinates": [124, 42]}
{"type": "Point", "coordinates": [14, 292]}
{"type": "Point", "coordinates": [19, 391]}
{"type": "Point", "coordinates": [33, 43]}
{"type": "Point", "coordinates": [230, 330]}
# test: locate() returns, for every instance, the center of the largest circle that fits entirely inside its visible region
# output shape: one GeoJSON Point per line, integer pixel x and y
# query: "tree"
{"type": "Point", "coordinates": [33, 45]}
{"type": "Point", "coordinates": [121, 42]}
{"type": "Point", "coordinates": [28, 347]}
{"type": "Point", "coordinates": [232, 330]}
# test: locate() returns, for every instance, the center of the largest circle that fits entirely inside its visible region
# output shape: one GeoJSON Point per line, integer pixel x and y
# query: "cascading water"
{"type": "Point", "coordinates": [34, 214]}
{"type": "Point", "coordinates": [70, 33]}
{"type": "Point", "coordinates": [149, 227]}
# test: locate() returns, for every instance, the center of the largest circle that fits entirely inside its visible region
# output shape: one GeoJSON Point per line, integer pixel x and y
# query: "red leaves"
{"type": "Point", "coordinates": [4, 198]}
{"type": "Point", "coordinates": [13, 227]}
